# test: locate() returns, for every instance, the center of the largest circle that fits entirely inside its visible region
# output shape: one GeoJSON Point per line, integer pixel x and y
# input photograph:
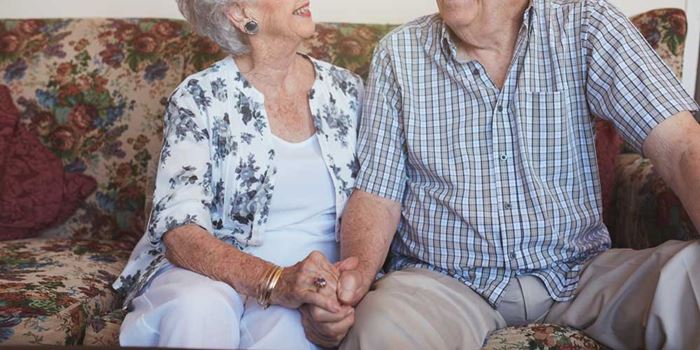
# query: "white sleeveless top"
{"type": "Point", "coordinates": [302, 212]}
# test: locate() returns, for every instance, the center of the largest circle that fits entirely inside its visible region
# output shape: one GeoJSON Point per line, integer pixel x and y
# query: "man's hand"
{"type": "Point", "coordinates": [325, 328]}
{"type": "Point", "coordinates": [353, 284]}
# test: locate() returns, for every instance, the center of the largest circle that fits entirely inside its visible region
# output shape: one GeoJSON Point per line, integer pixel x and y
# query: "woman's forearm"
{"type": "Point", "coordinates": [192, 248]}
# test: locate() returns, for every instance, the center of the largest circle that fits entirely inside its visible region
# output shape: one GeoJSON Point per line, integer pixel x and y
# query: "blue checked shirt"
{"type": "Point", "coordinates": [496, 183]}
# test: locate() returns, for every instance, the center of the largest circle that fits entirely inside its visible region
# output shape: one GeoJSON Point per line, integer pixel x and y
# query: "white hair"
{"type": "Point", "coordinates": [208, 17]}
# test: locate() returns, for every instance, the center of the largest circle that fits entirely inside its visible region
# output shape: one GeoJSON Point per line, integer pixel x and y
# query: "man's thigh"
{"type": "Point", "coordinates": [421, 309]}
{"type": "Point", "coordinates": [629, 299]}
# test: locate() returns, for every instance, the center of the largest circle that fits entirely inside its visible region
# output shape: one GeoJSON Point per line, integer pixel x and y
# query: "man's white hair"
{"type": "Point", "coordinates": [208, 18]}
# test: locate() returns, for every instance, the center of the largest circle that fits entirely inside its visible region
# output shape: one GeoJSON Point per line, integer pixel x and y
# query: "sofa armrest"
{"type": "Point", "coordinates": [645, 211]}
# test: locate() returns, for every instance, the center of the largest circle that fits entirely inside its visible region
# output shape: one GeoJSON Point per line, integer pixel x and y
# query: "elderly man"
{"type": "Point", "coordinates": [477, 157]}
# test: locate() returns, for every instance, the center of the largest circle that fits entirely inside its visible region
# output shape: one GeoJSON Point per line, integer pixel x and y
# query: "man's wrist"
{"type": "Point", "coordinates": [367, 274]}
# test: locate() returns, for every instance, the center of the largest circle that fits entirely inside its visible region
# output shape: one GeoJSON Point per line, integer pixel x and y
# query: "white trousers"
{"type": "Point", "coordinates": [184, 309]}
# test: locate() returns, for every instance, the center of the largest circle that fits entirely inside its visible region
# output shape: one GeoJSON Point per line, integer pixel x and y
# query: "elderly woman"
{"type": "Point", "coordinates": [257, 164]}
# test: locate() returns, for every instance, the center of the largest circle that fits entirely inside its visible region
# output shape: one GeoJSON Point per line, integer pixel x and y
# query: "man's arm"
{"type": "Point", "coordinates": [674, 149]}
{"type": "Point", "coordinates": [372, 214]}
{"type": "Point", "coordinates": [368, 227]}
{"type": "Point", "coordinates": [369, 223]}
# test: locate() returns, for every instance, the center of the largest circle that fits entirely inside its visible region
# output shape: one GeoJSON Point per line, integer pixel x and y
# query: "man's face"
{"type": "Point", "coordinates": [459, 13]}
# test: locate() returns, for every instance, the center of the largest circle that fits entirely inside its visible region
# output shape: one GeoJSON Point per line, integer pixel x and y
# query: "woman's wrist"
{"type": "Point", "coordinates": [267, 285]}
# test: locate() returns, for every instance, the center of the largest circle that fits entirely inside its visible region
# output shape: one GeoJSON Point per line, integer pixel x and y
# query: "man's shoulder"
{"type": "Point", "coordinates": [585, 6]}
{"type": "Point", "coordinates": [412, 32]}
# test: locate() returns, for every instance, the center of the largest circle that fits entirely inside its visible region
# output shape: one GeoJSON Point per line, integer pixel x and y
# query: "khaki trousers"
{"type": "Point", "coordinates": [626, 299]}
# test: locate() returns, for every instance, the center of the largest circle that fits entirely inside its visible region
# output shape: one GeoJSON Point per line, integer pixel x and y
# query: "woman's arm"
{"type": "Point", "coordinates": [193, 248]}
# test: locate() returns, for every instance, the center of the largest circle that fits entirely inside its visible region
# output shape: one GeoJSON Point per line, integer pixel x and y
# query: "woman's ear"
{"type": "Point", "coordinates": [237, 15]}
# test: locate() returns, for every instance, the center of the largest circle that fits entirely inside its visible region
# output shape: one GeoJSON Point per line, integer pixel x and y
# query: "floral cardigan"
{"type": "Point", "coordinates": [217, 166]}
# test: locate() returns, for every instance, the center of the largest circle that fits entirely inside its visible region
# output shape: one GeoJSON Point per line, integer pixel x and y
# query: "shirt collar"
{"type": "Point", "coordinates": [447, 37]}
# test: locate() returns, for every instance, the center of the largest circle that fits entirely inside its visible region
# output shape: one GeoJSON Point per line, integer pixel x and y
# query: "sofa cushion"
{"type": "Point", "coordinates": [103, 330]}
{"type": "Point", "coordinates": [50, 288]}
{"type": "Point", "coordinates": [92, 90]}
{"type": "Point", "coordinates": [35, 192]}
{"type": "Point", "coordinates": [541, 337]}
{"type": "Point", "coordinates": [646, 212]}
{"type": "Point", "coordinates": [608, 144]}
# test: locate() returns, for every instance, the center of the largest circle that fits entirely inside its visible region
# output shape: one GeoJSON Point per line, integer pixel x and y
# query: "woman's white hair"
{"type": "Point", "coordinates": [208, 17]}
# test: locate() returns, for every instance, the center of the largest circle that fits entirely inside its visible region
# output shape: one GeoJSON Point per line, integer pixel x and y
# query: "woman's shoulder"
{"type": "Point", "coordinates": [338, 77]}
{"type": "Point", "coordinates": [211, 83]}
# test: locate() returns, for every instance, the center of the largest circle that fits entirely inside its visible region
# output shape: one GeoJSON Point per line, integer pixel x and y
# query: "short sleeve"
{"type": "Point", "coordinates": [183, 192]}
{"type": "Point", "coordinates": [381, 143]}
{"type": "Point", "coordinates": [627, 82]}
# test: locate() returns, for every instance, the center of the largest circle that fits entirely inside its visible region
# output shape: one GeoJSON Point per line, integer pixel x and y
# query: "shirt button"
{"type": "Point", "coordinates": [507, 206]}
{"type": "Point", "coordinates": [512, 255]}
{"type": "Point", "coordinates": [503, 157]}
{"type": "Point", "coordinates": [500, 108]}
{"type": "Point", "coordinates": [476, 72]}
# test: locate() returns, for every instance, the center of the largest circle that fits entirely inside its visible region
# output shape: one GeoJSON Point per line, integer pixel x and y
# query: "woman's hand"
{"type": "Point", "coordinates": [297, 284]}
{"type": "Point", "coordinates": [328, 329]}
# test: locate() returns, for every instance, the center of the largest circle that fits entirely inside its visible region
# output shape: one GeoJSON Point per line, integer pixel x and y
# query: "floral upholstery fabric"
{"type": "Point", "coordinates": [665, 30]}
{"type": "Point", "coordinates": [103, 330]}
{"type": "Point", "coordinates": [645, 211]}
{"type": "Point", "coordinates": [540, 337]}
{"type": "Point", "coordinates": [346, 45]}
{"type": "Point", "coordinates": [94, 91]}
{"type": "Point", "coordinates": [50, 287]}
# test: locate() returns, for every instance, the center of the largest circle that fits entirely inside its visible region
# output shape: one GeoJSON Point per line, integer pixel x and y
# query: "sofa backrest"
{"type": "Point", "coordinates": [94, 91]}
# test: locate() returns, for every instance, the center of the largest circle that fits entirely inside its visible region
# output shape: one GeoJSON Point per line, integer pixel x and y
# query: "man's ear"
{"type": "Point", "coordinates": [237, 15]}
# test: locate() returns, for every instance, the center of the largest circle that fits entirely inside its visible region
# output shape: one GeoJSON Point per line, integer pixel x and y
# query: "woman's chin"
{"type": "Point", "coordinates": [307, 31]}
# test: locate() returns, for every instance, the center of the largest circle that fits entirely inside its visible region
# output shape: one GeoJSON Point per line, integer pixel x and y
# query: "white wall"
{"type": "Point", "coordinates": [364, 11]}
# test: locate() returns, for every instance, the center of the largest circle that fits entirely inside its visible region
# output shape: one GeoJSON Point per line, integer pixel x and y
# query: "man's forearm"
{"type": "Point", "coordinates": [369, 224]}
{"type": "Point", "coordinates": [687, 185]}
{"type": "Point", "coordinates": [674, 148]}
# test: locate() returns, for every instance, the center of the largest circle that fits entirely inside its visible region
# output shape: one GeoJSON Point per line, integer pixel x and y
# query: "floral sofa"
{"type": "Point", "coordinates": [93, 92]}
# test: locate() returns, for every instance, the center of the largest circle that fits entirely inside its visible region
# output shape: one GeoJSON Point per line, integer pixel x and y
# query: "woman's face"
{"type": "Point", "coordinates": [459, 13]}
{"type": "Point", "coordinates": [283, 18]}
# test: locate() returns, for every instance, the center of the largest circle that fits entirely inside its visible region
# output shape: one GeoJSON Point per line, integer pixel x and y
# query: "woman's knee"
{"type": "Point", "coordinates": [182, 296]}
{"type": "Point", "coordinates": [201, 315]}
{"type": "Point", "coordinates": [274, 328]}
{"type": "Point", "coordinates": [205, 300]}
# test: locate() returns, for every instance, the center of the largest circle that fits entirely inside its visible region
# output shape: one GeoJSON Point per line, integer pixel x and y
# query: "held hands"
{"type": "Point", "coordinates": [325, 327]}
{"type": "Point", "coordinates": [299, 285]}
{"type": "Point", "coordinates": [327, 311]}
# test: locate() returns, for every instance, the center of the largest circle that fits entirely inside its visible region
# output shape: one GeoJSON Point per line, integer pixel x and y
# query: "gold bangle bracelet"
{"type": "Point", "coordinates": [273, 282]}
{"type": "Point", "coordinates": [272, 276]}
{"type": "Point", "coordinates": [263, 298]}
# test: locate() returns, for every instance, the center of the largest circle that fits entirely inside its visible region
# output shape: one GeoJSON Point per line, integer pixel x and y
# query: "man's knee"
{"type": "Point", "coordinates": [376, 323]}
{"type": "Point", "coordinates": [421, 310]}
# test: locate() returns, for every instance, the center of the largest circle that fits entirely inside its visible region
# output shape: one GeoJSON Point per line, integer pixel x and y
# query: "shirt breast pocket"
{"type": "Point", "coordinates": [545, 137]}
